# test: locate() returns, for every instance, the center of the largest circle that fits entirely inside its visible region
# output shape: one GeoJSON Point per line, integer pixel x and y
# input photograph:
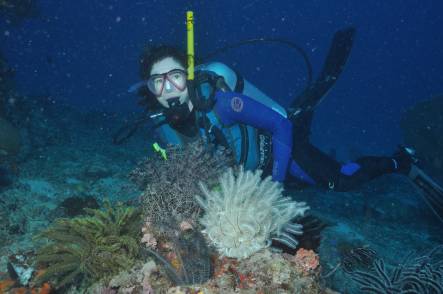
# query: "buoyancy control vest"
{"type": "Point", "coordinates": [252, 147]}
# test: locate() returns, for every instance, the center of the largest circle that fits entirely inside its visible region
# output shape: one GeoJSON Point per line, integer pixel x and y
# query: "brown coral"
{"type": "Point", "coordinates": [5, 285]}
{"type": "Point", "coordinates": [170, 185]}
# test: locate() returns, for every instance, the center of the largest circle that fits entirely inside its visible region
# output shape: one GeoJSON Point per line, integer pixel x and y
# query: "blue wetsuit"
{"type": "Point", "coordinates": [238, 108]}
{"type": "Point", "coordinates": [248, 124]}
{"type": "Point", "coordinates": [234, 108]}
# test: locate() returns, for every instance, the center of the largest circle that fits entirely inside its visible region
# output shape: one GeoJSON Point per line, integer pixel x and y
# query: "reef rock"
{"type": "Point", "coordinates": [422, 127]}
{"type": "Point", "coordinates": [9, 138]}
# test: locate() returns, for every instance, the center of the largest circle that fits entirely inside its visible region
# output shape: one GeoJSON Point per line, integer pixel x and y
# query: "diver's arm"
{"type": "Point", "coordinates": [233, 108]}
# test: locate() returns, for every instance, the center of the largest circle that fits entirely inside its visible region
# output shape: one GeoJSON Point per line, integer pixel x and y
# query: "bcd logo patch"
{"type": "Point", "coordinates": [237, 104]}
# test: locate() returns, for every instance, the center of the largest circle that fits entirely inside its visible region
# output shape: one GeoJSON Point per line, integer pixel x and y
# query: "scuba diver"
{"type": "Point", "coordinates": [227, 110]}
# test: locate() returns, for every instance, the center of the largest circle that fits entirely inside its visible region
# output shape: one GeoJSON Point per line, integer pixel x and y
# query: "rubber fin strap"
{"type": "Point", "coordinates": [337, 56]}
{"type": "Point", "coordinates": [433, 193]}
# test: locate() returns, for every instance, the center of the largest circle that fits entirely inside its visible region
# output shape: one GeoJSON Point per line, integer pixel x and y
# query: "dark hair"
{"type": "Point", "coordinates": [147, 59]}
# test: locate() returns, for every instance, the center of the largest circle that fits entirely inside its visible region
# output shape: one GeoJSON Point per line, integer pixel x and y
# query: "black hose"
{"type": "Point", "coordinates": [293, 45]}
{"type": "Point", "coordinates": [126, 131]}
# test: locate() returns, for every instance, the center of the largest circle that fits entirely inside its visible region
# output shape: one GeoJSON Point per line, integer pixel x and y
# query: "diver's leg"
{"type": "Point", "coordinates": [309, 165]}
{"type": "Point", "coordinates": [327, 172]}
{"type": "Point", "coordinates": [367, 168]}
{"type": "Point", "coordinates": [364, 169]}
{"type": "Point", "coordinates": [315, 167]}
{"type": "Point", "coordinates": [312, 166]}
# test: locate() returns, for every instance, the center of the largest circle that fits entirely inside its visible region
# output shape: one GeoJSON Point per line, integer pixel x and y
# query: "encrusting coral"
{"type": "Point", "coordinates": [240, 217]}
{"type": "Point", "coordinates": [90, 247]}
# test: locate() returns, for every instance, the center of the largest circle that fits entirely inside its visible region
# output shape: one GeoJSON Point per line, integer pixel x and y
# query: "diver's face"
{"type": "Point", "coordinates": [171, 85]}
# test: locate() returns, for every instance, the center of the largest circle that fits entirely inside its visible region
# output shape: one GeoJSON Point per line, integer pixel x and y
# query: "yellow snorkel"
{"type": "Point", "coordinates": [191, 60]}
{"type": "Point", "coordinates": [190, 73]}
{"type": "Point", "coordinates": [198, 104]}
{"type": "Point", "coordinates": [190, 43]}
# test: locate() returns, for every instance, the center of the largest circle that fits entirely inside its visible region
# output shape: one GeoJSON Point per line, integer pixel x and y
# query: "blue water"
{"type": "Point", "coordinates": [85, 53]}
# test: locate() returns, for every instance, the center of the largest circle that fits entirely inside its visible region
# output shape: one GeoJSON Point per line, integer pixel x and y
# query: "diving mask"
{"type": "Point", "coordinates": [172, 80]}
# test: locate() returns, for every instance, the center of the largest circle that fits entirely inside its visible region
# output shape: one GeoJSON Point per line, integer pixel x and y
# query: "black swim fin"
{"type": "Point", "coordinates": [432, 191]}
{"type": "Point", "coordinates": [335, 61]}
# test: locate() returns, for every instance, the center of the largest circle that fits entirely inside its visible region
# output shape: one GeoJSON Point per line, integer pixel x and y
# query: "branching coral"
{"type": "Point", "coordinates": [189, 261]}
{"type": "Point", "coordinates": [240, 217]}
{"type": "Point", "coordinates": [170, 185]}
{"type": "Point", "coordinates": [171, 210]}
{"type": "Point", "coordinates": [90, 247]}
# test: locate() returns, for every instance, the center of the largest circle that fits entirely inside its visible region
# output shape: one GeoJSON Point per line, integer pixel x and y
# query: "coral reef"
{"type": "Point", "coordinates": [307, 260]}
{"type": "Point", "coordinates": [422, 274]}
{"type": "Point", "coordinates": [90, 247]}
{"type": "Point", "coordinates": [186, 260]}
{"type": "Point", "coordinates": [170, 185]}
{"type": "Point", "coordinates": [9, 138]}
{"type": "Point", "coordinates": [263, 272]}
{"type": "Point", "coordinates": [3, 220]}
{"type": "Point", "coordinates": [422, 126]}
{"type": "Point", "coordinates": [5, 179]}
{"type": "Point", "coordinates": [13, 220]}
{"type": "Point", "coordinates": [240, 216]}
{"type": "Point", "coordinates": [133, 280]}
{"type": "Point", "coordinates": [6, 83]}
{"type": "Point", "coordinates": [9, 135]}
{"type": "Point", "coordinates": [75, 205]}
{"type": "Point", "coordinates": [170, 181]}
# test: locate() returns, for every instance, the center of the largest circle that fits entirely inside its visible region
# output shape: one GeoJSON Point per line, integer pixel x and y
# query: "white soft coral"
{"type": "Point", "coordinates": [240, 217]}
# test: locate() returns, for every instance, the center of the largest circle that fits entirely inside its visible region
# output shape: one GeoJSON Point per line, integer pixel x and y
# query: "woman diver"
{"type": "Point", "coordinates": [255, 127]}
{"type": "Point", "coordinates": [227, 110]}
